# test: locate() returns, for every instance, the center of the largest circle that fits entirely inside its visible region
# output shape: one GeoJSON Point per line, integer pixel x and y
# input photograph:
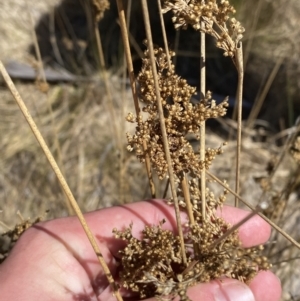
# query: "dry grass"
{"type": "Point", "coordinates": [89, 157]}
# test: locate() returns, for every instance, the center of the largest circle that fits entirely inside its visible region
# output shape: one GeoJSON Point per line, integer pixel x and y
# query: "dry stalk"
{"type": "Point", "coordinates": [283, 152]}
{"type": "Point", "coordinates": [187, 198]}
{"type": "Point", "coordinates": [240, 69]}
{"type": "Point", "coordinates": [233, 228]}
{"type": "Point", "coordinates": [282, 232]}
{"type": "Point", "coordinates": [261, 98]}
{"type": "Point", "coordinates": [127, 51]}
{"type": "Point", "coordinates": [202, 124]}
{"type": "Point", "coordinates": [163, 128]}
{"type": "Point", "coordinates": [184, 181]}
{"type": "Point", "coordinates": [251, 30]}
{"type": "Point", "coordinates": [44, 87]}
{"type": "Point", "coordinates": [111, 109]}
{"type": "Point", "coordinates": [123, 93]}
{"type": "Point", "coordinates": [53, 39]}
{"type": "Point", "coordinates": [60, 178]}
{"type": "Point", "coordinates": [106, 84]}
{"type": "Point", "coordinates": [163, 28]}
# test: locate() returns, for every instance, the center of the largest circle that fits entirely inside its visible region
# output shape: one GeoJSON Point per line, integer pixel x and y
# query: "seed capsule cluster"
{"type": "Point", "coordinates": [154, 263]}
{"type": "Point", "coordinates": [100, 6]}
{"type": "Point", "coordinates": [181, 117]}
{"type": "Point", "coordinates": [215, 16]}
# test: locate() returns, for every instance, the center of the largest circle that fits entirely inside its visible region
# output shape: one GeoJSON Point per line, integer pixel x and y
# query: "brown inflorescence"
{"type": "Point", "coordinates": [181, 117]}
{"type": "Point", "coordinates": [215, 16]}
{"type": "Point", "coordinates": [100, 6]}
{"type": "Point", "coordinates": [154, 263]}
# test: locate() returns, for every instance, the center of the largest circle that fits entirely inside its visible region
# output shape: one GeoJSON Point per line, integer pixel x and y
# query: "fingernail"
{"type": "Point", "coordinates": [229, 290]}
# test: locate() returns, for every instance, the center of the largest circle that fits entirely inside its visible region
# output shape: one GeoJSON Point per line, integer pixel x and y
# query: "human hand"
{"type": "Point", "coordinates": [54, 261]}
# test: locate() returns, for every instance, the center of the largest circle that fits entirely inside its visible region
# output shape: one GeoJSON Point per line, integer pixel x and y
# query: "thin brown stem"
{"type": "Point", "coordinates": [111, 109]}
{"type": "Point", "coordinates": [260, 100]}
{"type": "Point", "coordinates": [232, 229]}
{"type": "Point", "coordinates": [283, 233]}
{"type": "Point", "coordinates": [166, 189]}
{"type": "Point", "coordinates": [189, 207]}
{"type": "Point", "coordinates": [282, 154]}
{"type": "Point", "coordinates": [41, 70]}
{"type": "Point", "coordinates": [162, 23]}
{"type": "Point", "coordinates": [123, 93]}
{"type": "Point", "coordinates": [5, 226]}
{"type": "Point", "coordinates": [43, 79]}
{"type": "Point", "coordinates": [184, 182]}
{"type": "Point", "coordinates": [251, 30]}
{"type": "Point", "coordinates": [106, 83]}
{"type": "Point", "coordinates": [52, 38]}
{"type": "Point", "coordinates": [127, 51]}
{"type": "Point", "coordinates": [240, 70]}
{"type": "Point", "coordinates": [202, 124]}
{"type": "Point", "coordinates": [187, 199]}
{"type": "Point", "coordinates": [176, 48]}
{"type": "Point", "coordinates": [163, 127]}
{"type": "Point", "coordinates": [60, 178]}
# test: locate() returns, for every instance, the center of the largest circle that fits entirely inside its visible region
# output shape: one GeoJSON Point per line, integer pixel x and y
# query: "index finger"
{"type": "Point", "coordinates": [254, 232]}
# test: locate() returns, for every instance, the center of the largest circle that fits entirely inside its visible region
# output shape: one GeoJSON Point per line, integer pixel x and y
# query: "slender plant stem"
{"type": "Point", "coordinates": [5, 226]}
{"type": "Point", "coordinates": [240, 70]}
{"type": "Point", "coordinates": [280, 159]}
{"type": "Point", "coordinates": [60, 178]}
{"type": "Point", "coordinates": [176, 46]}
{"type": "Point", "coordinates": [37, 51]}
{"type": "Point", "coordinates": [163, 128]}
{"type": "Point", "coordinates": [41, 71]}
{"type": "Point", "coordinates": [202, 124]}
{"type": "Point", "coordinates": [260, 100]}
{"type": "Point", "coordinates": [282, 202]}
{"type": "Point", "coordinates": [232, 229]}
{"type": "Point", "coordinates": [282, 232]}
{"type": "Point", "coordinates": [187, 199]}
{"type": "Point", "coordinates": [111, 109]}
{"type": "Point", "coordinates": [166, 189]}
{"type": "Point", "coordinates": [52, 38]}
{"type": "Point", "coordinates": [189, 207]}
{"type": "Point", "coordinates": [251, 29]}
{"type": "Point", "coordinates": [285, 260]}
{"type": "Point", "coordinates": [124, 32]}
{"type": "Point", "coordinates": [123, 170]}
{"type": "Point", "coordinates": [163, 28]}
{"type": "Point", "coordinates": [184, 181]}
{"type": "Point", "coordinates": [106, 83]}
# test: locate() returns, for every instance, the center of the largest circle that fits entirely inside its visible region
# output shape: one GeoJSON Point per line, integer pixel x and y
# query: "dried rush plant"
{"type": "Point", "coordinates": [162, 263]}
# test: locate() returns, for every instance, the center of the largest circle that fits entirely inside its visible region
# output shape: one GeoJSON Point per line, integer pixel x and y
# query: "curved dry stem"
{"type": "Point", "coordinates": [60, 178]}
{"type": "Point", "coordinates": [163, 128]}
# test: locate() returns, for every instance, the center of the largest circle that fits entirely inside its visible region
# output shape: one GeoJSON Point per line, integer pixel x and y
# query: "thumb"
{"type": "Point", "coordinates": [219, 290]}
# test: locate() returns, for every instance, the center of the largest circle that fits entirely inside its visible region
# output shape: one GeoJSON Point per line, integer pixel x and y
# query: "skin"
{"type": "Point", "coordinates": [53, 260]}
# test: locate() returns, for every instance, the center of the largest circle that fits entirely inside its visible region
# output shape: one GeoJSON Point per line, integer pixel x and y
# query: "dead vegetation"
{"type": "Point", "coordinates": [77, 127]}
